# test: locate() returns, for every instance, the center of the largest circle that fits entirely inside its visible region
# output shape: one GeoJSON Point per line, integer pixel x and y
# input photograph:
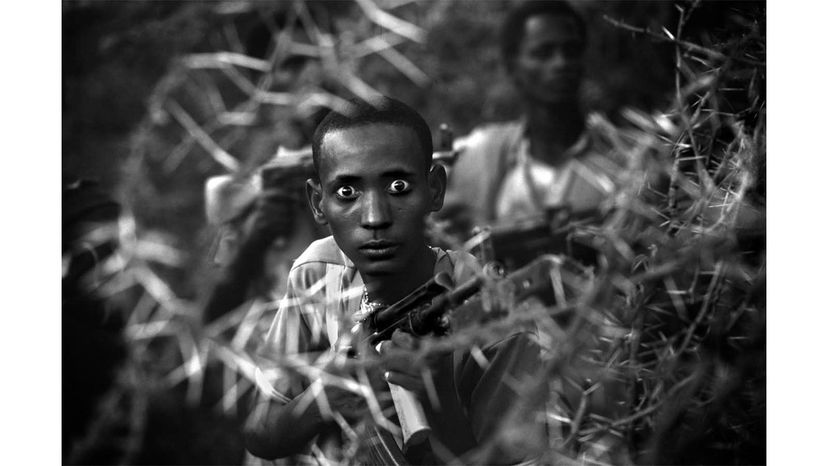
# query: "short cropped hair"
{"type": "Point", "coordinates": [383, 110]}
{"type": "Point", "coordinates": [514, 25]}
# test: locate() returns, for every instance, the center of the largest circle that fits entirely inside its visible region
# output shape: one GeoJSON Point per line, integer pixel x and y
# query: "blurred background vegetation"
{"type": "Point", "coordinates": [157, 94]}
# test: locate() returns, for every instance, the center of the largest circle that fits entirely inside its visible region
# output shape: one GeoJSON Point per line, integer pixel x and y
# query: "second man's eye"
{"type": "Point", "coordinates": [399, 186]}
{"type": "Point", "coordinates": [346, 192]}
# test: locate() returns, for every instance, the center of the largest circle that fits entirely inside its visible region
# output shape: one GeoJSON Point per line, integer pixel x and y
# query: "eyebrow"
{"type": "Point", "coordinates": [398, 172]}
{"type": "Point", "coordinates": [345, 179]}
{"type": "Point", "coordinates": [395, 172]}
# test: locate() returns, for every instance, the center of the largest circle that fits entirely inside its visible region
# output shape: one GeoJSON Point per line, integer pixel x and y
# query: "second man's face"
{"type": "Point", "coordinates": [375, 192]}
{"type": "Point", "coordinates": [549, 64]}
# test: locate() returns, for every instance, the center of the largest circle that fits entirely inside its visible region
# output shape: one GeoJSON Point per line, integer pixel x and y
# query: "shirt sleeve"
{"type": "Point", "coordinates": [477, 174]}
{"type": "Point", "coordinates": [295, 334]}
{"type": "Point", "coordinates": [463, 203]}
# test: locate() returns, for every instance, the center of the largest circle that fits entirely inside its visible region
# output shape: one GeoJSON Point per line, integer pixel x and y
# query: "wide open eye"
{"type": "Point", "coordinates": [346, 192]}
{"type": "Point", "coordinates": [399, 187]}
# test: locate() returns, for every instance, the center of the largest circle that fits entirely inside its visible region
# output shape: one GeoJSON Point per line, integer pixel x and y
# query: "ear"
{"type": "Point", "coordinates": [437, 186]}
{"type": "Point", "coordinates": [314, 193]}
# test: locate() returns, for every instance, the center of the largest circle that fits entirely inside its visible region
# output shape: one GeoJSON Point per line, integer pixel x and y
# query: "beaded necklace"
{"type": "Point", "coordinates": [368, 307]}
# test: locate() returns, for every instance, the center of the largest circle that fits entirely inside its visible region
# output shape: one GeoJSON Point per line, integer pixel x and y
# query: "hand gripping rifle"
{"type": "Point", "coordinates": [283, 179]}
{"type": "Point", "coordinates": [438, 307]}
{"type": "Point", "coordinates": [288, 170]}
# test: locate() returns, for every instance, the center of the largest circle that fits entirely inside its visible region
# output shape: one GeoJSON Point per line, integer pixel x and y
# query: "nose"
{"type": "Point", "coordinates": [376, 213]}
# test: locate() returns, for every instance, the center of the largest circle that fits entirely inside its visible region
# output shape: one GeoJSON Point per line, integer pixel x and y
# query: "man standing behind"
{"type": "Point", "coordinates": [547, 159]}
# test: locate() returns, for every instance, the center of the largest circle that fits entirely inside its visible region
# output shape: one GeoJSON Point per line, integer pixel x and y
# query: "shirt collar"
{"type": "Point", "coordinates": [521, 143]}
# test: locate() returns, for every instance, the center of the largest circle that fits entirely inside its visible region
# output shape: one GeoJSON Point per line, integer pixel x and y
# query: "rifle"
{"type": "Point", "coordinates": [438, 307]}
{"type": "Point", "coordinates": [445, 153]}
{"type": "Point", "coordinates": [516, 244]}
{"type": "Point", "coordinates": [288, 169]}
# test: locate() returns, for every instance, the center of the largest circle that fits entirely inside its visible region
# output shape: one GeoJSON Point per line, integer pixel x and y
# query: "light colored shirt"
{"type": "Point", "coordinates": [531, 186]}
{"type": "Point", "coordinates": [496, 179]}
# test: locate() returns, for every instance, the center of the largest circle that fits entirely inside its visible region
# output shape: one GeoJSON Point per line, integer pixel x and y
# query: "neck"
{"type": "Point", "coordinates": [552, 128]}
{"type": "Point", "coordinates": [390, 288]}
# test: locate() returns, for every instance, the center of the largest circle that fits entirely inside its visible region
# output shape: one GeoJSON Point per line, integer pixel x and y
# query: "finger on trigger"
{"type": "Point", "coordinates": [382, 347]}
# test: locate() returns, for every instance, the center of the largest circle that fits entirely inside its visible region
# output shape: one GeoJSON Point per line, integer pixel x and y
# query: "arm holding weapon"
{"type": "Point", "coordinates": [440, 308]}
{"type": "Point", "coordinates": [255, 214]}
{"type": "Point", "coordinates": [279, 427]}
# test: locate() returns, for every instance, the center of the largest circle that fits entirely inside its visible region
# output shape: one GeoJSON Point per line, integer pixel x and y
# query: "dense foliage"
{"type": "Point", "coordinates": [160, 96]}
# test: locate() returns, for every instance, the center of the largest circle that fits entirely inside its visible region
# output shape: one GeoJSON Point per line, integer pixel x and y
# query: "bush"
{"type": "Point", "coordinates": [671, 325]}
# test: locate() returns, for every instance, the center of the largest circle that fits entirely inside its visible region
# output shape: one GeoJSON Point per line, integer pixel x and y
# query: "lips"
{"type": "Point", "coordinates": [378, 249]}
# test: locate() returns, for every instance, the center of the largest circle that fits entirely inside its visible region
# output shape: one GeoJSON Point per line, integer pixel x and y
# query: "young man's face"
{"type": "Point", "coordinates": [549, 63]}
{"type": "Point", "coordinates": [375, 190]}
